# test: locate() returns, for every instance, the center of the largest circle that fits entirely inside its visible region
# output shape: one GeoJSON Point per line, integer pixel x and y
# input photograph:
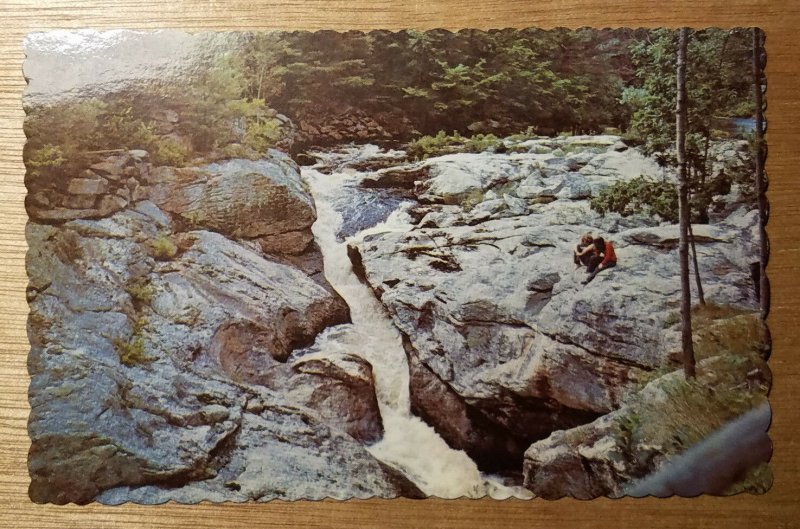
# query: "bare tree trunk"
{"type": "Point", "coordinates": [701, 297]}
{"type": "Point", "coordinates": [683, 209]}
{"type": "Point", "coordinates": [761, 184]}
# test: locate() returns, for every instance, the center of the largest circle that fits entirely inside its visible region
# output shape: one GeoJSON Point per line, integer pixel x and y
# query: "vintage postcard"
{"type": "Point", "coordinates": [298, 265]}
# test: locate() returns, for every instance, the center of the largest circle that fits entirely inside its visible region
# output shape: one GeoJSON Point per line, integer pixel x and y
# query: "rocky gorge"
{"type": "Point", "coordinates": [253, 329]}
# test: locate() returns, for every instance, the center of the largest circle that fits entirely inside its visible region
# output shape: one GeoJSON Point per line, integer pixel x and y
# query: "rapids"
{"type": "Point", "coordinates": [409, 444]}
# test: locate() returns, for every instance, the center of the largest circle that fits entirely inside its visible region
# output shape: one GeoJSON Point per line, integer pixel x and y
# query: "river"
{"type": "Point", "coordinates": [409, 444]}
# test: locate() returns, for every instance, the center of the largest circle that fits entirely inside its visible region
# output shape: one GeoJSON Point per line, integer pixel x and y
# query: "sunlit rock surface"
{"type": "Point", "coordinates": [484, 288]}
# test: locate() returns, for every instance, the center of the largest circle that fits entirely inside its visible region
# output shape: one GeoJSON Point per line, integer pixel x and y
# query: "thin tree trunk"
{"type": "Point", "coordinates": [701, 297]}
{"type": "Point", "coordinates": [761, 184]}
{"type": "Point", "coordinates": [683, 209]}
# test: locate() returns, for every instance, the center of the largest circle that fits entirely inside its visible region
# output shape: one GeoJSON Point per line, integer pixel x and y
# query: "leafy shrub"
{"type": "Point", "coordinates": [140, 291]}
{"type": "Point", "coordinates": [640, 195]}
{"type": "Point", "coordinates": [168, 151]}
{"type": "Point", "coordinates": [45, 159]}
{"type": "Point", "coordinates": [481, 143]}
{"type": "Point", "coordinates": [261, 136]}
{"type": "Point", "coordinates": [426, 146]}
{"type": "Point", "coordinates": [131, 353]}
{"type": "Point", "coordinates": [162, 248]}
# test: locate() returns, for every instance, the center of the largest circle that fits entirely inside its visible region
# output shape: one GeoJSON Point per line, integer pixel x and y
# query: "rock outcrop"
{"type": "Point", "coordinates": [349, 125]}
{"type": "Point", "coordinates": [485, 291]}
{"type": "Point", "coordinates": [608, 456]}
{"type": "Point", "coordinates": [105, 187]}
{"type": "Point", "coordinates": [161, 341]}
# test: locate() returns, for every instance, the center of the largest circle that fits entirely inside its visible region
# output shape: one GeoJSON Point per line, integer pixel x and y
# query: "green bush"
{"type": "Point", "coordinates": [640, 195]}
{"type": "Point", "coordinates": [131, 353]}
{"type": "Point", "coordinates": [168, 151]}
{"type": "Point", "coordinates": [441, 144]}
{"type": "Point", "coordinates": [45, 159]}
{"type": "Point", "coordinates": [481, 143]}
{"type": "Point", "coordinates": [261, 136]}
{"type": "Point", "coordinates": [162, 248]}
{"type": "Point", "coordinates": [140, 291]}
{"type": "Point", "coordinates": [425, 146]}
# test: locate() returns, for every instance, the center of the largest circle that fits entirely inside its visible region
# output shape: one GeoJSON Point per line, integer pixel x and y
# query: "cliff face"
{"type": "Point", "coordinates": [161, 327]}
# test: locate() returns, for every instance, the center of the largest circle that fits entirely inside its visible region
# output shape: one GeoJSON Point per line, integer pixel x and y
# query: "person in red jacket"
{"type": "Point", "coordinates": [602, 256]}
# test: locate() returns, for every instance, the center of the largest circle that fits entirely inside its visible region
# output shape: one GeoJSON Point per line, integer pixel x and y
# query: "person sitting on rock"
{"type": "Point", "coordinates": [602, 257]}
{"type": "Point", "coordinates": [582, 255]}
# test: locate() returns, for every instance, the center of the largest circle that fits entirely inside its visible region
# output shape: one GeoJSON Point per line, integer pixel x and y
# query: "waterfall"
{"type": "Point", "coordinates": [409, 444]}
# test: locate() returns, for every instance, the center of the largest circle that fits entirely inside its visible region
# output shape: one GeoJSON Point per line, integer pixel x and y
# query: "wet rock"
{"type": "Point", "coordinates": [462, 426]}
{"type": "Point", "coordinates": [341, 389]}
{"type": "Point", "coordinates": [282, 453]}
{"type": "Point", "coordinates": [227, 283]}
{"type": "Point", "coordinates": [402, 177]}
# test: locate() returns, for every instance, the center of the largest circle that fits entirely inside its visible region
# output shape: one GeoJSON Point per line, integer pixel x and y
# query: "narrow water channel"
{"type": "Point", "coordinates": [408, 444]}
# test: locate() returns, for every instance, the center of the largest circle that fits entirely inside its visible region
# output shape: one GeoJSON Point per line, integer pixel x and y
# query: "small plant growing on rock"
{"type": "Point", "coordinates": [472, 199]}
{"type": "Point", "coordinates": [140, 290]}
{"type": "Point", "coordinates": [46, 160]}
{"type": "Point", "coordinates": [671, 319]}
{"type": "Point", "coordinates": [131, 353]}
{"type": "Point", "coordinates": [168, 151]}
{"type": "Point", "coordinates": [481, 143]}
{"type": "Point", "coordinates": [426, 146]}
{"type": "Point", "coordinates": [162, 248]}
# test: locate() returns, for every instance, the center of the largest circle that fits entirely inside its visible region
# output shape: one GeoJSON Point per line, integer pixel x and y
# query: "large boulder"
{"type": "Point", "coordinates": [668, 417]}
{"type": "Point", "coordinates": [239, 198]}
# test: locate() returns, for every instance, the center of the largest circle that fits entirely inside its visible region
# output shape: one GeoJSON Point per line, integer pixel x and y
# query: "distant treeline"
{"type": "Point", "coordinates": [495, 81]}
{"type": "Point", "coordinates": [413, 83]}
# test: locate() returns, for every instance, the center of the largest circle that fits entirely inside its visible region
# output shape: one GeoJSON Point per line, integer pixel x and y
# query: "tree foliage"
{"type": "Point", "coordinates": [639, 195]}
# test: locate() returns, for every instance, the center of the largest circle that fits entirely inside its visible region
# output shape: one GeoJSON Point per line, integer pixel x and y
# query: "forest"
{"type": "Point", "coordinates": [413, 84]}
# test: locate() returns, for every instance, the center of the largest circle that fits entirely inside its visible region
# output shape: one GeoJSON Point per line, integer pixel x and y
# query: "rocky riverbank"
{"type": "Point", "coordinates": [505, 344]}
{"type": "Point", "coordinates": [160, 332]}
{"type": "Point", "coordinates": [178, 316]}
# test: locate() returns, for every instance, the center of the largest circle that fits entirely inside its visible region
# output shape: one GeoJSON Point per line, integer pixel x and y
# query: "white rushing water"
{"type": "Point", "coordinates": [408, 444]}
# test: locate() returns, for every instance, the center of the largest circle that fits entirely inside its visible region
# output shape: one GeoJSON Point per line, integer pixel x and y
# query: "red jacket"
{"type": "Point", "coordinates": [610, 256]}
